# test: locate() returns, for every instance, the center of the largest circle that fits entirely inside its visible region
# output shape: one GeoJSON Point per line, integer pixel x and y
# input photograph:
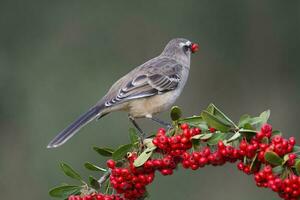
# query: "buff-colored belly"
{"type": "Point", "coordinates": [145, 107]}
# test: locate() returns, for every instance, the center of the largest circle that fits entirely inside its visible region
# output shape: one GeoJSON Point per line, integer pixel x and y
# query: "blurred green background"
{"type": "Point", "coordinates": [57, 58]}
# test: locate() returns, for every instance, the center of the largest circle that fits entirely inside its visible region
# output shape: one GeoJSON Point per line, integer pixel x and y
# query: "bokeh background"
{"type": "Point", "coordinates": [57, 58]}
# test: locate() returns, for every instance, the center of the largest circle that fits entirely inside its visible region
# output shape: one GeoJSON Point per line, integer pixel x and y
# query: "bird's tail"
{"type": "Point", "coordinates": [73, 128]}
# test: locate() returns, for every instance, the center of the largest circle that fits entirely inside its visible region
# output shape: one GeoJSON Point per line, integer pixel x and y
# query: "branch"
{"type": "Point", "coordinates": [194, 142]}
{"type": "Point", "coordinates": [104, 177]}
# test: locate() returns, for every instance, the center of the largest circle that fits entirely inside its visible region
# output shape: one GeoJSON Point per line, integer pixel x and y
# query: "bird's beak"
{"type": "Point", "coordinates": [194, 47]}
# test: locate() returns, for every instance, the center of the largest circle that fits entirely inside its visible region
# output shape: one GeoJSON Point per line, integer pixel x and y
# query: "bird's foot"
{"type": "Point", "coordinates": [141, 133]}
{"type": "Point", "coordinates": [167, 125]}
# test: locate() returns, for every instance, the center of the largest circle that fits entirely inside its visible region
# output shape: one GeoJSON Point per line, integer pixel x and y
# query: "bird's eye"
{"type": "Point", "coordinates": [185, 48]}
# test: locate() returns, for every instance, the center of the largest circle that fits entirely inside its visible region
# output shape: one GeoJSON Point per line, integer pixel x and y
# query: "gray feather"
{"type": "Point", "coordinates": [154, 77]}
{"type": "Point", "coordinates": [73, 128]}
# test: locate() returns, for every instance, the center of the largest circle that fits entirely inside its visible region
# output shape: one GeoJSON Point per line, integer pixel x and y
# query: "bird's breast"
{"type": "Point", "coordinates": [152, 105]}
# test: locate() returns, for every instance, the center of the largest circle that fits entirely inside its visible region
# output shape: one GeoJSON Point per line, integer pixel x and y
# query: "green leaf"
{"type": "Point", "coordinates": [213, 110]}
{"type": "Point", "coordinates": [244, 120]}
{"type": "Point", "coordinates": [297, 166]}
{"type": "Point", "coordinates": [265, 140]}
{"type": "Point", "coordinates": [248, 126]}
{"type": "Point", "coordinates": [143, 157]}
{"type": "Point", "coordinates": [195, 120]}
{"type": "Point", "coordinates": [256, 121]}
{"type": "Point", "coordinates": [215, 122]}
{"type": "Point", "coordinates": [93, 167]}
{"type": "Point", "coordinates": [265, 116]}
{"type": "Point", "coordinates": [203, 127]}
{"type": "Point", "coordinates": [248, 133]}
{"type": "Point", "coordinates": [285, 159]}
{"type": "Point", "coordinates": [234, 137]}
{"type": "Point", "coordinates": [276, 132]}
{"type": "Point", "coordinates": [175, 113]}
{"type": "Point", "coordinates": [296, 148]}
{"type": "Point", "coordinates": [70, 172]}
{"type": "Point", "coordinates": [64, 191]}
{"type": "Point", "coordinates": [206, 136]}
{"type": "Point", "coordinates": [202, 136]}
{"type": "Point", "coordinates": [254, 163]}
{"type": "Point", "coordinates": [285, 173]}
{"type": "Point", "coordinates": [216, 137]}
{"type": "Point", "coordinates": [134, 138]}
{"type": "Point", "coordinates": [148, 143]}
{"type": "Point", "coordinates": [195, 144]}
{"type": "Point", "coordinates": [121, 152]}
{"type": "Point", "coordinates": [94, 183]}
{"type": "Point", "coordinates": [272, 158]}
{"type": "Point", "coordinates": [104, 151]}
{"type": "Point", "coordinates": [106, 187]}
{"type": "Point", "coordinates": [278, 170]}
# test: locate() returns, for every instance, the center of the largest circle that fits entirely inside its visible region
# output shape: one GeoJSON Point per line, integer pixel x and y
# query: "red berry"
{"type": "Point", "coordinates": [87, 197]}
{"type": "Point", "coordinates": [292, 141]}
{"type": "Point", "coordinates": [292, 156]}
{"type": "Point", "coordinates": [111, 164]}
{"type": "Point", "coordinates": [166, 172]}
{"type": "Point", "coordinates": [186, 164]}
{"type": "Point", "coordinates": [197, 131]}
{"type": "Point", "coordinates": [72, 197]}
{"type": "Point", "coordinates": [203, 161]}
{"type": "Point", "coordinates": [243, 145]}
{"type": "Point", "coordinates": [161, 131]}
{"type": "Point", "coordinates": [155, 141]}
{"type": "Point", "coordinates": [266, 128]}
{"type": "Point", "coordinates": [240, 166]}
{"type": "Point", "coordinates": [277, 139]}
{"type": "Point", "coordinates": [194, 47]}
{"type": "Point", "coordinates": [157, 163]}
{"type": "Point", "coordinates": [184, 126]}
{"type": "Point", "coordinates": [194, 167]}
{"type": "Point", "coordinates": [184, 140]}
{"type": "Point", "coordinates": [247, 170]}
{"type": "Point", "coordinates": [99, 197]}
{"type": "Point", "coordinates": [148, 164]}
{"type": "Point", "coordinates": [163, 139]}
{"type": "Point", "coordinates": [212, 130]}
{"type": "Point", "coordinates": [221, 145]}
{"type": "Point", "coordinates": [260, 135]}
{"type": "Point", "coordinates": [268, 169]}
{"type": "Point", "coordinates": [229, 150]}
{"type": "Point", "coordinates": [166, 162]}
{"type": "Point", "coordinates": [206, 151]}
{"type": "Point", "coordinates": [187, 133]}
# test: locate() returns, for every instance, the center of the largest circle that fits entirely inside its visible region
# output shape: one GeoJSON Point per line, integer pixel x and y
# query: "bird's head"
{"type": "Point", "coordinates": [180, 48]}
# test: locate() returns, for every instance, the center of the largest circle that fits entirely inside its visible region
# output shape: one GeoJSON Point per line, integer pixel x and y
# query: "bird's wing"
{"type": "Point", "coordinates": [154, 78]}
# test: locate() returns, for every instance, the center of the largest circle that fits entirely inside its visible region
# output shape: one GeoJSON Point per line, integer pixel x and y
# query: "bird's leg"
{"type": "Point", "coordinates": [166, 124]}
{"type": "Point", "coordinates": [142, 134]}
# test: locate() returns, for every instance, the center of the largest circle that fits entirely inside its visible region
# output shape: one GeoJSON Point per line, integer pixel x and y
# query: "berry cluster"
{"type": "Point", "coordinates": [222, 155]}
{"type": "Point", "coordinates": [287, 188]}
{"type": "Point", "coordinates": [175, 145]}
{"type": "Point", "coordinates": [263, 142]}
{"type": "Point", "coordinates": [96, 197]}
{"type": "Point", "coordinates": [130, 181]}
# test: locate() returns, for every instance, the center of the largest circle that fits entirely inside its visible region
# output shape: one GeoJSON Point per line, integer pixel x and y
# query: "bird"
{"type": "Point", "coordinates": [148, 89]}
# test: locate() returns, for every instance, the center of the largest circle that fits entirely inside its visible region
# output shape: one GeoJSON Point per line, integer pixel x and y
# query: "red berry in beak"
{"type": "Point", "coordinates": [194, 47]}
